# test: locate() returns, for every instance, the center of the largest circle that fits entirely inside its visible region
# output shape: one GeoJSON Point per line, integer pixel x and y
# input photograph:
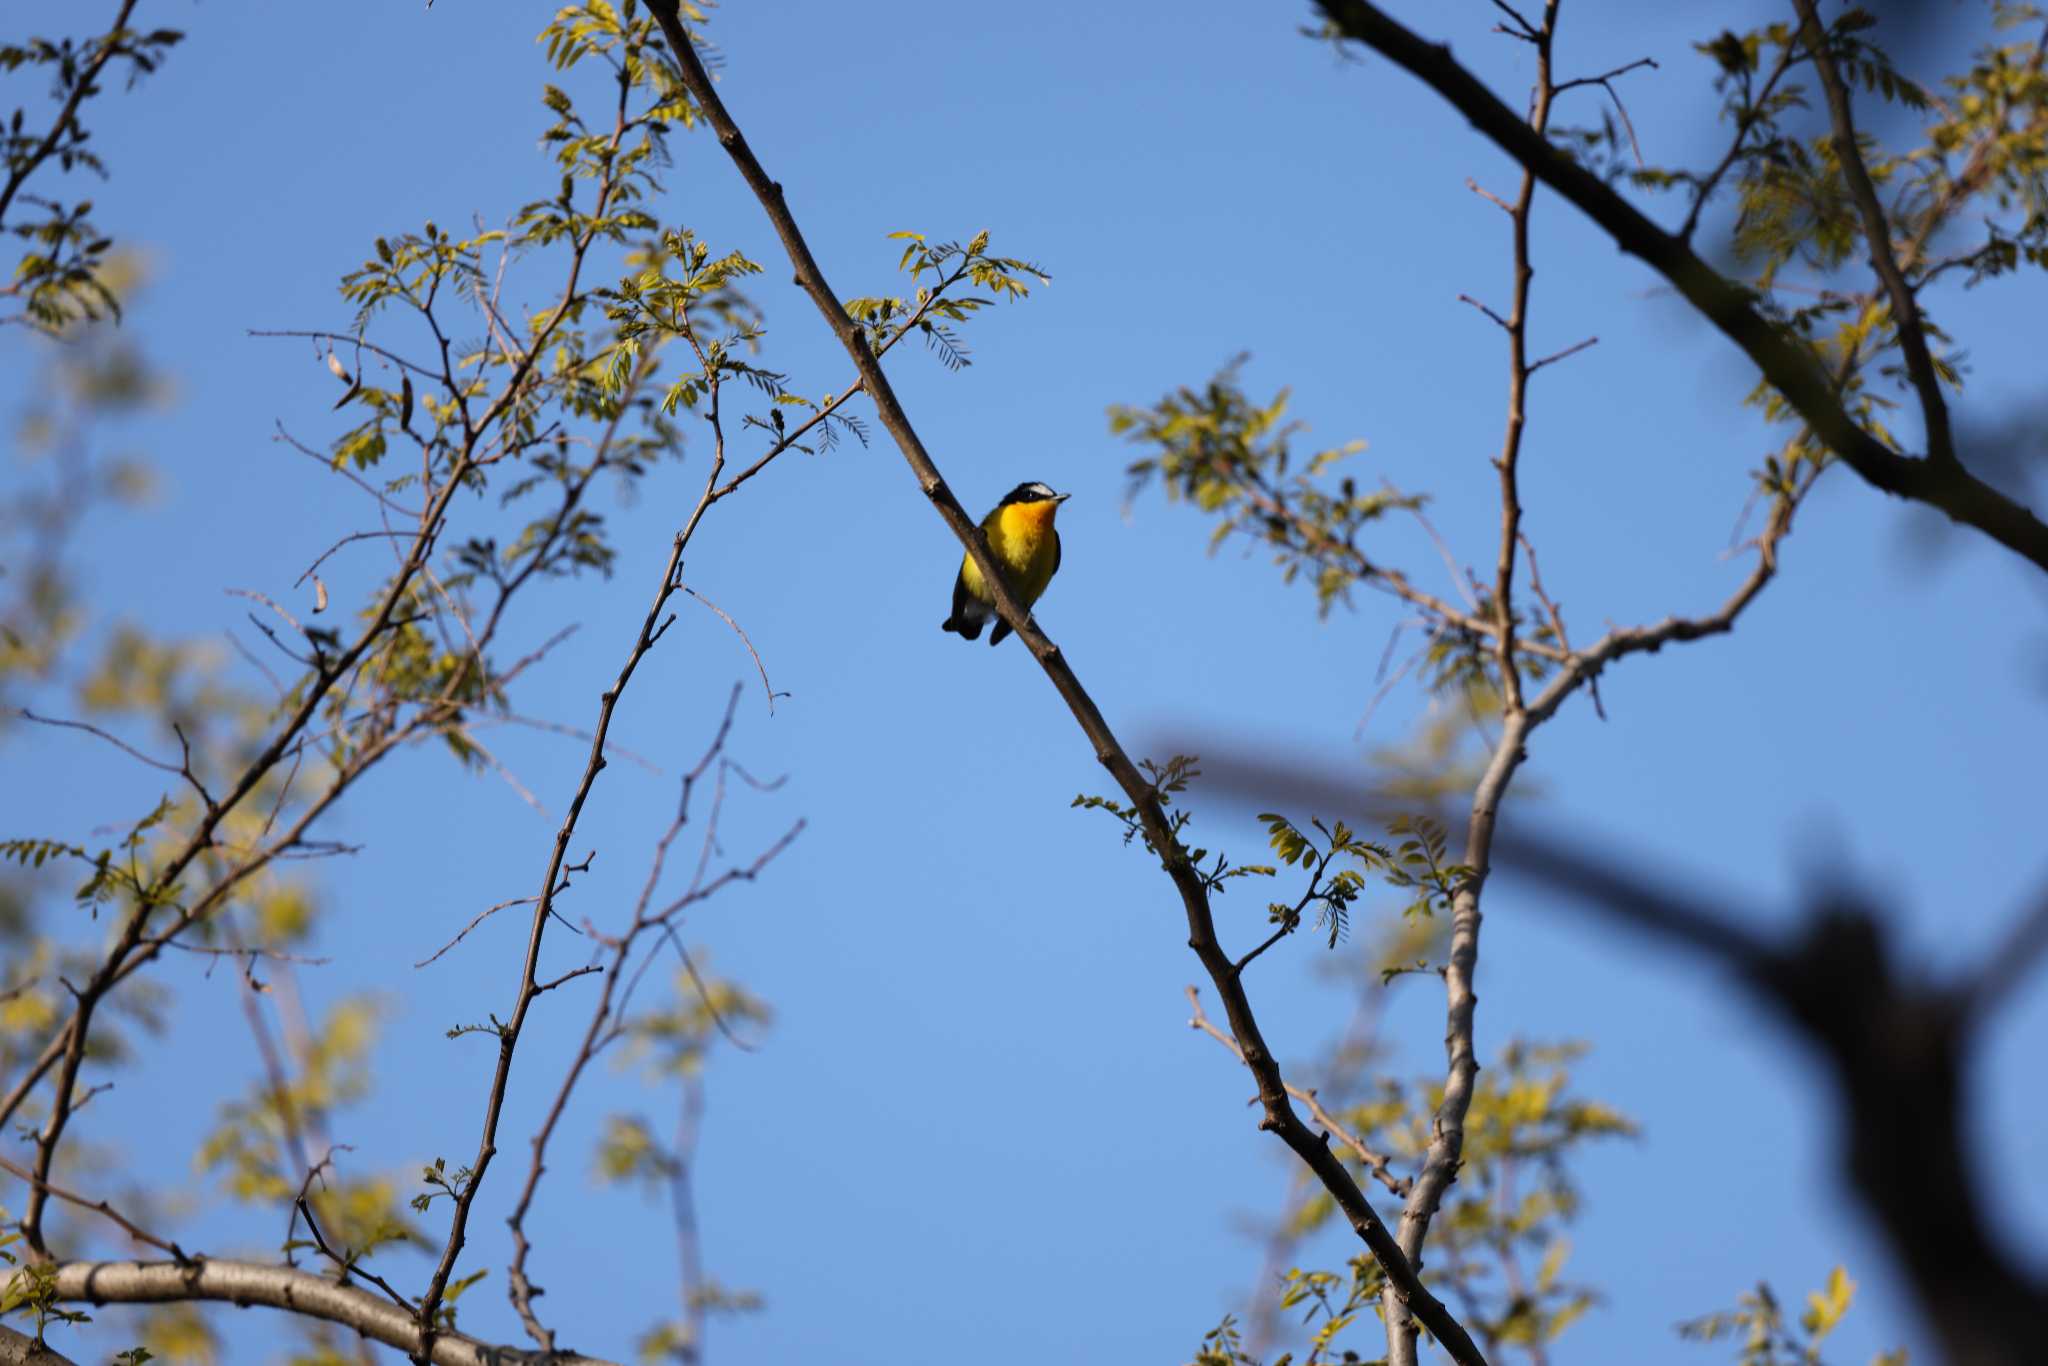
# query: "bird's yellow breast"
{"type": "Point", "coordinates": [1022, 538]}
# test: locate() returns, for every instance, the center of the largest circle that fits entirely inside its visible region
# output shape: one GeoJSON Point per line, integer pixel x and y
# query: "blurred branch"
{"type": "Point", "coordinates": [2017, 955]}
{"type": "Point", "coordinates": [691, 1283]}
{"type": "Point", "coordinates": [1899, 1049]}
{"type": "Point", "coordinates": [19, 1349]}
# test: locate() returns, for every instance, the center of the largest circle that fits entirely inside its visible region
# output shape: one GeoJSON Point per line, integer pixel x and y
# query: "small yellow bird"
{"type": "Point", "coordinates": [1021, 536]}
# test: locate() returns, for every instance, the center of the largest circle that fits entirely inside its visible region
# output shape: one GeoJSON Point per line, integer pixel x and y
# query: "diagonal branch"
{"type": "Point", "coordinates": [1280, 1116]}
{"type": "Point", "coordinates": [20, 1349]}
{"type": "Point", "coordinates": [1787, 365]}
{"type": "Point", "coordinates": [128, 1226]}
{"type": "Point", "coordinates": [103, 52]}
{"type": "Point", "coordinates": [1877, 230]}
{"type": "Point", "coordinates": [1586, 665]}
{"type": "Point", "coordinates": [1377, 1162]}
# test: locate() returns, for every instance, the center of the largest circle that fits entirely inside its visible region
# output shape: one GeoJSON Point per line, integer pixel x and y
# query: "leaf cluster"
{"type": "Point", "coordinates": [1421, 866]}
{"type": "Point", "coordinates": [438, 1182]}
{"type": "Point", "coordinates": [1235, 459]}
{"type": "Point", "coordinates": [936, 309]}
{"type": "Point", "coordinates": [1764, 1336]}
{"type": "Point", "coordinates": [62, 278]}
{"type": "Point", "coordinates": [1513, 1201]}
{"type": "Point", "coordinates": [32, 1288]}
{"type": "Point", "coordinates": [1981, 154]}
{"type": "Point", "coordinates": [1329, 894]}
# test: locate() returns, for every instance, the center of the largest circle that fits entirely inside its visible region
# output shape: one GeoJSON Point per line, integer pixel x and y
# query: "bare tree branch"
{"type": "Point", "coordinates": [100, 1207]}
{"type": "Point", "coordinates": [182, 770]}
{"type": "Point", "coordinates": [1378, 1163]}
{"type": "Point", "coordinates": [296, 1292]}
{"type": "Point", "coordinates": [1877, 232]}
{"type": "Point", "coordinates": [1445, 1153]}
{"type": "Point", "coordinates": [726, 617]}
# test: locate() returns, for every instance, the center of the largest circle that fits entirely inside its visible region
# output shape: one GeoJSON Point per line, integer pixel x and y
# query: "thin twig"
{"type": "Point", "coordinates": [726, 617]}
{"type": "Point", "coordinates": [349, 539]}
{"type": "Point", "coordinates": [614, 749]}
{"type": "Point", "coordinates": [25, 714]}
{"type": "Point", "coordinates": [1877, 231]}
{"type": "Point", "coordinates": [100, 1207]}
{"type": "Point", "coordinates": [348, 1266]}
{"type": "Point", "coordinates": [1556, 356]}
{"type": "Point", "coordinates": [1605, 80]}
{"type": "Point", "coordinates": [1378, 1163]}
{"type": "Point", "coordinates": [350, 339]}
{"type": "Point", "coordinates": [1496, 319]}
{"type": "Point", "coordinates": [1604, 77]}
{"type": "Point", "coordinates": [479, 919]}
{"type": "Point", "coordinates": [1556, 614]}
{"type": "Point", "coordinates": [668, 930]}
{"type": "Point", "coordinates": [568, 976]}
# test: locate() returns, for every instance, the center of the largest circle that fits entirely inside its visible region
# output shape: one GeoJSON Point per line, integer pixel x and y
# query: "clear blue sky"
{"type": "Point", "coordinates": [979, 1126]}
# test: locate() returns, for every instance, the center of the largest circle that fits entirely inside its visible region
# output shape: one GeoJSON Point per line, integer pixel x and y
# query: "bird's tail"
{"type": "Point", "coordinates": [968, 628]}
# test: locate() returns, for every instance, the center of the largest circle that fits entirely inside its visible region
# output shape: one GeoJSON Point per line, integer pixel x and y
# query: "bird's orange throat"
{"type": "Point", "coordinates": [1028, 521]}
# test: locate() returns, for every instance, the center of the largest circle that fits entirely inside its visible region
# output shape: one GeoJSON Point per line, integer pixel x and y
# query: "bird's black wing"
{"type": "Point", "coordinates": [968, 627]}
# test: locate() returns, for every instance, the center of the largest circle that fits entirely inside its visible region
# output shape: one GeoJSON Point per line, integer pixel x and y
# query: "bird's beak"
{"type": "Point", "coordinates": [1061, 497]}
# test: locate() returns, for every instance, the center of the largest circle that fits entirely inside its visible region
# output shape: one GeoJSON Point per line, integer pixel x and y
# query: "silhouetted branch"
{"type": "Point", "coordinates": [1877, 234]}
{"type": "Point", "coordinates": [1786, 364]}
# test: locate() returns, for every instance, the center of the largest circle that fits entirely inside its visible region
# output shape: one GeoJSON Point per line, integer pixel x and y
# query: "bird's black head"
{"type": "Point", "coordinates": [1033, 492]}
